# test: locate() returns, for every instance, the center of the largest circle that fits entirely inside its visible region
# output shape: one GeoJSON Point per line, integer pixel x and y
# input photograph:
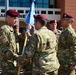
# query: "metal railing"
{"type": "Point", "coordinates": [51, 14]}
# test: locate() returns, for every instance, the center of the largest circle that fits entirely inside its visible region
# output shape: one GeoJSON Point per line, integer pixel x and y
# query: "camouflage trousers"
{"type": "Point", "coordinates": [8, 68]}
{"type": "Point", "coordinates": [27, 70]}
{"type": "Point", "coordinates": [66, 71]}
{"type": "Point", "coordinates": [46, 73]}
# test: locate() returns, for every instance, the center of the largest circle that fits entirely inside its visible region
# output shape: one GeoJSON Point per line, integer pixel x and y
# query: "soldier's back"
{"type": "Point", "coordinates": [66, 50]}
{"type": "Point", "coordinates": [46, 53]}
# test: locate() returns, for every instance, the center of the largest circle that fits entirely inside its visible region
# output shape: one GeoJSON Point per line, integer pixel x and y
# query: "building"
{"type": "Point", "coordinates": [67, 6]}
{"type": "Point", "coordinates": [52, 8]}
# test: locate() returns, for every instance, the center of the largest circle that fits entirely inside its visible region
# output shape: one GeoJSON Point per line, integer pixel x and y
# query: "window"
{"type": "Point", "coordinates": [20, 11]}
{"type": "Point", "coordinates": [42, 3]}
{"type": "Point", "coordinates": [37, 12]}
{"type": "Point", "coordinates": [50, 12]}
{"type": "Point", "coordinates": [11, 4]}
{"type": "Point", "coordinates": [46, 1]}
{"type": "Point", "coordinates": [3, 10]}
{"type": "Point", "coordinates": [43, 12]}
{"type": "Point", "coordinates": [57, 12]}
{"type": "Point", "coordinates": [2, 2]}
{"type": "Point", "coordinates": [20, 3]}
{"type": "Point", "coordinates": [39, 5]}
{"type": "Point", "coordinates": [52, 3]}
{"type": "Point", "coordinates": [45, 6]}
{"type": "Point", "coordinates": [39, 1]}
{"type": "Point", "coordinates": [27, 11]}
{"type": "Point", "coordinates": [27, 3]}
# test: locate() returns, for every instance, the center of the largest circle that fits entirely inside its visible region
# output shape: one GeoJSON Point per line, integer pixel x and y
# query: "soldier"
{"type": "Point", "coordinates": [20, 39]}
{"type": "Point", "coordinates": [52, 25]}
{"type": "Point", "coordinates": [41, 48]}
{"type": "Point", "coordinates": [16, 29]}
{"type": "Point", "coordinates": [17, 34]}
{"type": "Point", "coordinates": [67, 47]}
{"type": "Point", "coordinates": [8, 43]}
{"type": "Point", "coordinates": [27, 69]}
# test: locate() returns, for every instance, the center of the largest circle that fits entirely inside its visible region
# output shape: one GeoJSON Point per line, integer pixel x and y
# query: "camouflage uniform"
{"type": "Point", "coordinates": [57, 32]}
{"type": "Point", "coordinates": [17, 43]}
{"type": "Point", "coordinates": [7, 50]}
{"type": "Point", "coordinates": [27, 69]}
{"type": "Point", "coordinates": [67, 51]}
{"type": "Point", "coordinates": [41, 47]}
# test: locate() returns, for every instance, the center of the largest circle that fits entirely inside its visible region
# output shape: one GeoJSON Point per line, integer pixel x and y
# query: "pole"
{"type": "Point", "coordinates": [6, 5]}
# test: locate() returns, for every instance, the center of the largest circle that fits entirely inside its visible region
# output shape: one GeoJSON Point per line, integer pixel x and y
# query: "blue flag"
{"type": "Point", "coordinates": [29, 18]}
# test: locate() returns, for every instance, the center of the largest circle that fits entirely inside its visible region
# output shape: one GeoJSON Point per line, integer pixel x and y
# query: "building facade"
{"type": "Point", "coordinates": [68, 6]}
{"type": "Point", "coordinates": [53, 9]}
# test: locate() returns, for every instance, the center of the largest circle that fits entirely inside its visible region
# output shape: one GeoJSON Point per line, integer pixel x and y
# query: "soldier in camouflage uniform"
{"type": "Point", "coordinates": [8, 44]}
{"type": "Point", "coordinates": [17, 36]}
{"type": "Point", "coordinates": [27, 69]}
{"type": "Point", "coordinates": [52, 25]}
{"type": "Point", "coordinates": [67, 47]}
{"type": "Point", "coordinates": [41, 48]}
{"type": "Point", "coordinates": [20, 38]}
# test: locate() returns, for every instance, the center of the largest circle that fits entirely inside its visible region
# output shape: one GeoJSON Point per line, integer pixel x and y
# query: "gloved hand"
{"type": "Point", "coordinates": [9, 55]}
{"type": "Point", "coordinates": [23, 60]}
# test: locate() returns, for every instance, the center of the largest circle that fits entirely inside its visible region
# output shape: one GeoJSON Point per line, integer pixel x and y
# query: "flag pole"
{"type": "Point", "coordinates": [6, 5]}
{"type": "Point", "coordinates": [29, 20]}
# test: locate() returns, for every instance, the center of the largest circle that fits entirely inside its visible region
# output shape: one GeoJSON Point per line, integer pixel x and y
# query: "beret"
{"type": "Point", "coordinates": [12, 13]}
{"type": "Point", "coordinates": [66, 15]}
{"type": "Point", "coordinates": [41, 16]}
{"type": "Point", "coordinates": [53, 21]}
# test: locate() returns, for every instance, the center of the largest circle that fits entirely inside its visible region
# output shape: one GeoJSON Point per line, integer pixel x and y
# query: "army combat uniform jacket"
{"type": "Point", "coordinates": [7, 47]}
{"type": "Point", "coordinates": [41, 47]}
{"type": "Point", "coordinates": [7, 40]}
{"type": "Point", "coordinates": [57, 32]}
{"type": "Point", "coordinates": [67, 48]}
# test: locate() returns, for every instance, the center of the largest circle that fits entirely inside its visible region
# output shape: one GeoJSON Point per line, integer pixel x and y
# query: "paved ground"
{"type": "Point", "coordinates": [21, 73]}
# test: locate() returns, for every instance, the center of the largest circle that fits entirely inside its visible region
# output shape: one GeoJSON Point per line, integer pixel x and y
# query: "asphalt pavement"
{"type": "Point", "coordinates": [21, 73]}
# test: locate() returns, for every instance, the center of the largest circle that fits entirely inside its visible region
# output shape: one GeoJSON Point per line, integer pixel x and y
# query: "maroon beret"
{"type": "Point", "coordinates": [12, 13]}
{"type": "Point", "coordinates": [65, 15]}
{"type": "Point", "coordinates": [53, 21]}
{"type": "Point", "coordinates": [42, 16]}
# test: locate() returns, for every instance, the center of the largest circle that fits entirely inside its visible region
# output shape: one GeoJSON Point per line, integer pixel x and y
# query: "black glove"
{"type": "Point", "coordinates": [23, 60]}
{"type": "Point", "coordinates": [9, 55]}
